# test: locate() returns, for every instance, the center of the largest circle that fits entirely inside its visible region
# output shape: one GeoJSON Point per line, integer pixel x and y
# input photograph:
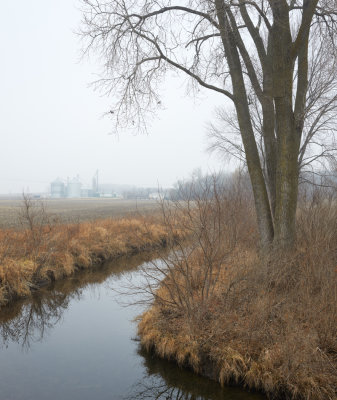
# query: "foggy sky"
{"type": "Point", "coordinates": [51, 122]}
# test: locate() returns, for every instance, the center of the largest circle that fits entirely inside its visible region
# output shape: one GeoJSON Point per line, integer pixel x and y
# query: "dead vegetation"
{"type": "Point", "coordinates": [44, 250]}
{"type": "Point", "coordinates": [76, 210]}
{"type": "Point", "coordinates": [264, 321]}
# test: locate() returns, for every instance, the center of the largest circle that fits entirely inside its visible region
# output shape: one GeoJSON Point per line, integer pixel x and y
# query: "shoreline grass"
{"type": "Point", "coordinates": [265, 322]}
{"type": "Point", "coordinates": [44, 252]}
{"type": "Point", "coordinates": [269, 323]}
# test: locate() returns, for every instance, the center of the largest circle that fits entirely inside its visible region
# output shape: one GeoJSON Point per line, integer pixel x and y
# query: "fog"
{"type": "Point", "coordinates": [51, 120]}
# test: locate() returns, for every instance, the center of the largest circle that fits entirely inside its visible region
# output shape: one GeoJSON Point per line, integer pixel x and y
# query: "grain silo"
{"type": "Point", "coordinates": [57, 189]}
{"type": "Point", "coordinates": [74, 188]}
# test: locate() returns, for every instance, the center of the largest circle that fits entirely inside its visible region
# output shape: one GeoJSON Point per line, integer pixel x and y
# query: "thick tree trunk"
{"type": "Point", "coordinates": [282, 125]}
{"type": "Point", "coordinates": [270, 150]}
{"type": "Point", "coordinates": [287, 174]}
{"type": "Point", "coordinates": [264, 217]}
{"type": "Point", "coordinates": [263, 212]}
{"type": "Point", "coordinates": [269, 136]}
{"type": "Point", "coordinates": [287, 138]}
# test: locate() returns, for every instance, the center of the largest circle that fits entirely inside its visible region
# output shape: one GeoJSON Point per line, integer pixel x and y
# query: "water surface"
{"type": "Point", "coordinates": [73, 340]}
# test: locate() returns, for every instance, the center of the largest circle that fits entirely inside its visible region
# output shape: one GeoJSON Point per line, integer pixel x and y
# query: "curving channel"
{"type": "Point", "coordinates": [75, 340]}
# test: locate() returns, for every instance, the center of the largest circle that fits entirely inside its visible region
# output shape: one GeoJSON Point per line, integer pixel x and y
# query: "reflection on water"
{"type": "Point", "coordinates": [72, 340]}
{"type": "Point", "coordinates": [27, 321]}
{"type": "Point", "coordinates": [32, 319]}
{"type": "Point", "coordinates": [164, 380]}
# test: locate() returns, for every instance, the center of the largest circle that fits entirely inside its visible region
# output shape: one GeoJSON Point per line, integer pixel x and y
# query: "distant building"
{"type": "Point", "coordinates": [156, 196]}
{"type": "Point", "coordinates": [86, 192]}
{"type": "Point", "coordinates": [57, 189]}
{"type": "Point", "coordinates": [74, 188]}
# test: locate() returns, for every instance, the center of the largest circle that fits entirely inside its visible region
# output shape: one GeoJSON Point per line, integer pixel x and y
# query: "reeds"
{"type": "Point", "coordinates": [270, 321]}
{"type": "Point", "coordinates": [44, 250]}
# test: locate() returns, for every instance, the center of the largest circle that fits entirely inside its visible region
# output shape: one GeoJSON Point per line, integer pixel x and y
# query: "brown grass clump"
{"type": "Point", "coordinates": [269, 322]}
{"type": "Point", "coordinates": [43, 251]}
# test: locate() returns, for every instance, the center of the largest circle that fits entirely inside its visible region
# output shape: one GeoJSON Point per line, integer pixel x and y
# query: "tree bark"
{"type": "Point", "coordinates": [287, 138]}
{"type": "Point", "coordinates": [264, 217]}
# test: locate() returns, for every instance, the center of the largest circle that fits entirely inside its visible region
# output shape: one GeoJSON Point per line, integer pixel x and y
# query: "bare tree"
{"type": "Point", "coordinates": [248, 51]}
{"type": "Point", "coordinates": [36, 221]}
{"type": "Point", "coordinates": [318, 142]}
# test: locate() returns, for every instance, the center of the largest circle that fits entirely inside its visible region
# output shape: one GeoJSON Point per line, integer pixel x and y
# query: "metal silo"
{"type": "Point", "coordinates": [74, 188]}
{"type": "Point", "coordinates": [57, 189]}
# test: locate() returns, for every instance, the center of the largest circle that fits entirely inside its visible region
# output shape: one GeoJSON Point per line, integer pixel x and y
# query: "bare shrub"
{"type": "Point", "coordinates": [269, 321]}
{"type": "Point", "coordinates": [37, 226]}
{"type": "Point", "coordinates": [214, 216]}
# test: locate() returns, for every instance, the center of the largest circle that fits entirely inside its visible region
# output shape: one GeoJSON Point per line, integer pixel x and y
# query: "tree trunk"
{"type": "Point", "coordinates": [287, 174]}
{"type": "Point", "coordinates": [269, 138]}
{"type": "Point", "coordinates": [264, 217]}
{"type": "Point", "coordinates": [287, 138]}
{"type": "Point", "coordinates": [270, 150]}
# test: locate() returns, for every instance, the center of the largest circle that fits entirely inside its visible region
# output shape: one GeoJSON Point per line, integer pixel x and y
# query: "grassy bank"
{"type": "Point", "coordinates": [29, 319]}
{"type": "Point", "coordinates": [263, 322]}
{"type": "Point", "coordinates": [44, 250]}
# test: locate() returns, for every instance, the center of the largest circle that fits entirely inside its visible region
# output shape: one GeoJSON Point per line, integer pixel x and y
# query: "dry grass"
{"type": "Point", "coordinates": [45, 251]}
{"type": "Point", "coordinates": [270, 322]}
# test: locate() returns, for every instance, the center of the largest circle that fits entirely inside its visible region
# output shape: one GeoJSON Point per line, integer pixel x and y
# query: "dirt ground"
{"type": "Point", "coordinates": [76, 210]}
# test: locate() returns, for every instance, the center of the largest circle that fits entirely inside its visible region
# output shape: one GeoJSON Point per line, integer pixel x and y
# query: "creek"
{"type": "Point", "coordinates": [75, 339]}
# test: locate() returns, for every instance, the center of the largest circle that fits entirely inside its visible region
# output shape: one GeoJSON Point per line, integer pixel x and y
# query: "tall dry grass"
{"type": "Point", "coordinates": [270, 321]}
{"type": "Point", "coordinates": [44, 250]}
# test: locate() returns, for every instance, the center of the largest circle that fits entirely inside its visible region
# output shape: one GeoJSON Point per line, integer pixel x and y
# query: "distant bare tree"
{"type": "Point", "coordinates": [36, 221]}
{"type": "Point", "coordinates": [32, 214]}
{"type": "Point", "coordinates": [251, 52]}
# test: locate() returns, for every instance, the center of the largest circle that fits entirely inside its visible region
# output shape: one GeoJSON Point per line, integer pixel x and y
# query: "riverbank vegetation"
{"type": "Point", "coordinates": [249, 295]}
{"type": "Point", "coordinates": [44, 250]}
{"type": "Point", "coordinates": [28, 320]}
{"type": "Point", "coordinates": [262, 320]}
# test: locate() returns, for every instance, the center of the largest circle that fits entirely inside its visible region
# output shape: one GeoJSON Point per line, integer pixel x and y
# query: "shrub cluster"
{"type": "Point", "coordinates": [265, 321]}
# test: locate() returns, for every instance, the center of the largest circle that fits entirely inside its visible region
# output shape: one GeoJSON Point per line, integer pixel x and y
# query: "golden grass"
{"type": "Point", "coordinates": [31, 257]}
{"type": "Point", "coordinates": [270, 323]}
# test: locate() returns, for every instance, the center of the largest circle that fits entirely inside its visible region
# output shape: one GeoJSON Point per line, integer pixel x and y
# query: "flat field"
{"type": "Point", "coordinates": [76, 210]}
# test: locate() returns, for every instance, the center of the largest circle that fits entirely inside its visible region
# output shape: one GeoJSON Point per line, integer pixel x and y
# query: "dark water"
{"type": "Point", "coordinates": [75, 341]}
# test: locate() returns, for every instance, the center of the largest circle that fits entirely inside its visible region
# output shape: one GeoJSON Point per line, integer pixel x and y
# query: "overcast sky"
{"type": "Point", "coordinates": [51, 121]}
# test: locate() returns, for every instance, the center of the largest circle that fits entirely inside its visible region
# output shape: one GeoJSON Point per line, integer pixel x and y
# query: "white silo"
{"type": "Point", "coordinates": [74, 188]}
{"type": "Point", "coordinates": [57, 189]}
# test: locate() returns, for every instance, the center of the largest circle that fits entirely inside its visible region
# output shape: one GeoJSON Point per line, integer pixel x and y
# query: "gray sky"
{"type": "Point", "coordinates": [51, 122]}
